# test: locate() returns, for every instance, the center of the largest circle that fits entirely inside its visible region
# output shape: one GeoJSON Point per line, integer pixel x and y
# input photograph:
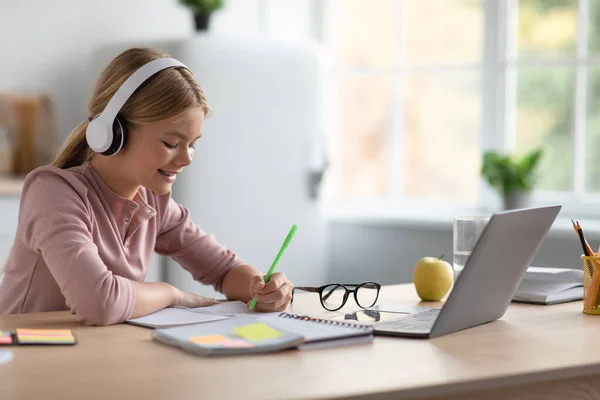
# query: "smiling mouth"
{"type": "Point", "coordinates": [165, 173]}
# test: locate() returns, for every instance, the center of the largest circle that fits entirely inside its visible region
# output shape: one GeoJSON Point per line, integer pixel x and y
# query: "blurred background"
{"type": "Point", "coordinates": [364, 122]}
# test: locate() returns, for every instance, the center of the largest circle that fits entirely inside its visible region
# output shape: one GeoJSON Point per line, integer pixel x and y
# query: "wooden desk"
{"type": "Point", "coordinates": [532, 350]}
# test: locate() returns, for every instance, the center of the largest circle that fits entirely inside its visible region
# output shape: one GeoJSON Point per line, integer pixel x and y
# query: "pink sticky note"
{"type": "Point", "coordinates": [236, 343]}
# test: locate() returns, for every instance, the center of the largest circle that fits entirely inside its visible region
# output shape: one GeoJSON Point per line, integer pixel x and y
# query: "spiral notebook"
{"type": "Point", "coordinates": [320, 333]}
{"type": "Point", "coordinates": [236, 335]}
{"type": "Point", "coordinates": [244, 335]}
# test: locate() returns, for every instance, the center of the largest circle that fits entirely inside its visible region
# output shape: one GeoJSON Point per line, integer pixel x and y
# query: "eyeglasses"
{"type": "Point", "coordinates": [333, 296]}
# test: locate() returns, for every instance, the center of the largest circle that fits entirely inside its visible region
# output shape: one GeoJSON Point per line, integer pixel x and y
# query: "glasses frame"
{"type": "Point", "coordinates": [347, 292]}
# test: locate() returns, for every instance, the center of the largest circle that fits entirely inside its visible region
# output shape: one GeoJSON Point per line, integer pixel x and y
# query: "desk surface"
{"type": "Point", "coordinates": [529, 344]}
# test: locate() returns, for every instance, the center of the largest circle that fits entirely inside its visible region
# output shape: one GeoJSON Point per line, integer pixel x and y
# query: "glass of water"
{"type": "Point", "coordinates": [465, 234]}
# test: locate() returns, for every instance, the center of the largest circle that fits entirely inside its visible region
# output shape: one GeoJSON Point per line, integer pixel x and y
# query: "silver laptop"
{"type": "Point", "coordinates": [489, 279]}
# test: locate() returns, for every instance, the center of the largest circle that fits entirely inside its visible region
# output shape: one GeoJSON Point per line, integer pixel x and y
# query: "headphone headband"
{"type": "Point", "coordinates": [99, 132]}
{"type": "Point", "coordinates": [132, 83]}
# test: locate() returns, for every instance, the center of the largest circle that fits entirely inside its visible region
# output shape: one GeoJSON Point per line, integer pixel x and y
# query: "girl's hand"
{"type": "Point", "coordinates": [191, 300]}
{"type": "Point", "coordinates": [273, 295]}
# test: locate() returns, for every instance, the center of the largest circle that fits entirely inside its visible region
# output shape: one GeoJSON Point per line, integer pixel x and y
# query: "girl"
{"type": "Point", "coordinates": [89, 222]}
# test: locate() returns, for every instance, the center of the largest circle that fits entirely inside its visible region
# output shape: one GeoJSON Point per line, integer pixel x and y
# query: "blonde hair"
{"type": "Point", "coordinates": [168, 93]}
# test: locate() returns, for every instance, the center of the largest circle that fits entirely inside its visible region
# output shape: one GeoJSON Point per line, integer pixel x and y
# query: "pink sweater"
{"type": "Point", "coordinates": [79, 246]}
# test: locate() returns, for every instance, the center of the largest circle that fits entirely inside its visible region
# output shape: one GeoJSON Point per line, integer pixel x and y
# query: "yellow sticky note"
{"type": "Point", "coordinates": [257, 332]}
{"type": "Point", "coordinates": [46, 339]}
{"type": "Point", "coordinates": [44, 332]}
{"type": "Point", "coordinates": [212, 339]}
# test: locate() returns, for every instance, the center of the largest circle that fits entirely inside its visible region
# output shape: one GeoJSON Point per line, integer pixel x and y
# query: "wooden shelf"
{"type": "Point", "coordinates": [11, 186]}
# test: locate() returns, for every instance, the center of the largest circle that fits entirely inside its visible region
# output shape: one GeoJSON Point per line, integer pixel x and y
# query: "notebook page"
{"type": "Point", "coordinates": [314, 331]}
{"type": "Point", "coordinates": [230, 309]}
{"type": "Point", "coordinates": [172, 317]}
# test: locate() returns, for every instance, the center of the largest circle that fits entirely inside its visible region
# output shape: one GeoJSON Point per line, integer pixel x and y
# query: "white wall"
{"type": "Point", "coordinates": [51, 42]}
{"type": "Point", "coordinates": [47, 45]}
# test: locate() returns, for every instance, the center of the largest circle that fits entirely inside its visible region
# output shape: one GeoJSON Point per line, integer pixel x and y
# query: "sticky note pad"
{"type": "Point", "coordinates": [257, 332]}
{"type": "Point", "coordinates": [44, 332]}
{"type": "Point", "coordinates": [45, 336]}
{"type": "Point", "coordinates": [212, 339]}
{"type": "Point", "coordinates": [46, 339]}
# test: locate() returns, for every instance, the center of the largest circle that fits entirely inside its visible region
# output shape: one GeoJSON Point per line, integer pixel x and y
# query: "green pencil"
{"type": "Point", "coordinates": [287, 241]}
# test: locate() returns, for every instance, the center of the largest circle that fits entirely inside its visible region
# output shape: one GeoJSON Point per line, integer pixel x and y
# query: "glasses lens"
{"type": "Point", "coordinates": [332, 297]}
{"type": "Point", "coordinates": [366, 294]}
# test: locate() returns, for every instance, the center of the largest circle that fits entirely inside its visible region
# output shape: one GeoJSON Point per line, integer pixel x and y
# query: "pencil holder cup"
{"type": "Point", "coordinates": [591, 284]}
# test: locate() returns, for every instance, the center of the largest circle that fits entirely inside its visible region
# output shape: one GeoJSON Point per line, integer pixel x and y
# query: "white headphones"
{"type": "Point", "coordinates": [106, 134]}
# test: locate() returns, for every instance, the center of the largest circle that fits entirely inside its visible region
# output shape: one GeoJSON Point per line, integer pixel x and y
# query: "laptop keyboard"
{"type": "Point", "coordinates": [421, 321]}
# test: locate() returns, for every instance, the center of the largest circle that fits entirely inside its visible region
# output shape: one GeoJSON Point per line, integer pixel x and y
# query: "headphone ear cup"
{"type": "Point", "coordinates": [97, 136]}
{"type": "Point", "coordinates": [119, 138]}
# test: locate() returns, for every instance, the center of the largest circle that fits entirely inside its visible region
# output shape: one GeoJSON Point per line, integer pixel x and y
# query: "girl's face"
{"type": "Point", "coordinates": [155, 153]}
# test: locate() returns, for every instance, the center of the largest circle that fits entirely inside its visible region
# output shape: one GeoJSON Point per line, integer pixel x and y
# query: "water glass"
{"type": "Point", "coordinates": [466, 232]}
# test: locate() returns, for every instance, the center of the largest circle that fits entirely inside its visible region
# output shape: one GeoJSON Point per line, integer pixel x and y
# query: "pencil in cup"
{"type": "Point", "coordinates": [587, 249]}
{"type": "Point", "coordinates": [591, 284]}
{"type": "Point", "coordinates": [591, 276]}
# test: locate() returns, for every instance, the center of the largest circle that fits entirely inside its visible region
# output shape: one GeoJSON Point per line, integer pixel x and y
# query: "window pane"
{"type": "Point", "coordinates": [442, 124]}
{"type": "Point", "coordinates": [447, 31]}
{"type": "Point", "coordinates": [365, 126]}
{"type": "Point", "coordinates": [544, 117]}
{"type": "Point", "coordinates": [592, 143]}
{"type": "Point", "coordinates": [363, 32]}
{"type": "Point", "coordinates": [594, 26]}
{"type": "Point", "coordinates": [547, 28]}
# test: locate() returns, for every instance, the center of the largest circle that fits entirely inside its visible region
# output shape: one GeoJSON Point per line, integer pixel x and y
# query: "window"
{"type": "Point", "coordinates": [424, 86]}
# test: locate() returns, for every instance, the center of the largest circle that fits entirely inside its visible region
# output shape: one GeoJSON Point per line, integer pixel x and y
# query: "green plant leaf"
{"type": "Point", "coordinates": [530, 161]}
{"type": "Point", "coordinates": [203, 6]}
{"type": "Point", "coordinates": [508, 174]}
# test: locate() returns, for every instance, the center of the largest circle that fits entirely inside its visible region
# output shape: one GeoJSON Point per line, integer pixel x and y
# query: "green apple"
{"type": "Point", "coordinates": [433, 277]}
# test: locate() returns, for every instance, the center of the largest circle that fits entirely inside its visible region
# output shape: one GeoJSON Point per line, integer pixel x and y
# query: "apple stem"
{"type": "Point", "coordinates": [440, 257]}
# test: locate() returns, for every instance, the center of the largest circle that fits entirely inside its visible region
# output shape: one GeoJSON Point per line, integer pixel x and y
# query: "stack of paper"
{"type": "Point", "coordinates": [550, 286]}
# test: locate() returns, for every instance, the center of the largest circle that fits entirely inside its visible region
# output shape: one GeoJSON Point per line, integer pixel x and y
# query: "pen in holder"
{"type": "Point", "coordinates": [591, 274]}
{"type": "Point", "coordinates": [591, 284]}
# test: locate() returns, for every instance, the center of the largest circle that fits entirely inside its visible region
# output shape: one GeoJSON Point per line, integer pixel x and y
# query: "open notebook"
{"type": "Point", "coordinates": [550, 286]}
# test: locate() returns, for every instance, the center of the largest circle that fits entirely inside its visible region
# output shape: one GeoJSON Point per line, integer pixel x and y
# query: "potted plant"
{"type": "Point", "coordinates": [512, 177]}
{"type": "Point", "coordinates": [202, 10]}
